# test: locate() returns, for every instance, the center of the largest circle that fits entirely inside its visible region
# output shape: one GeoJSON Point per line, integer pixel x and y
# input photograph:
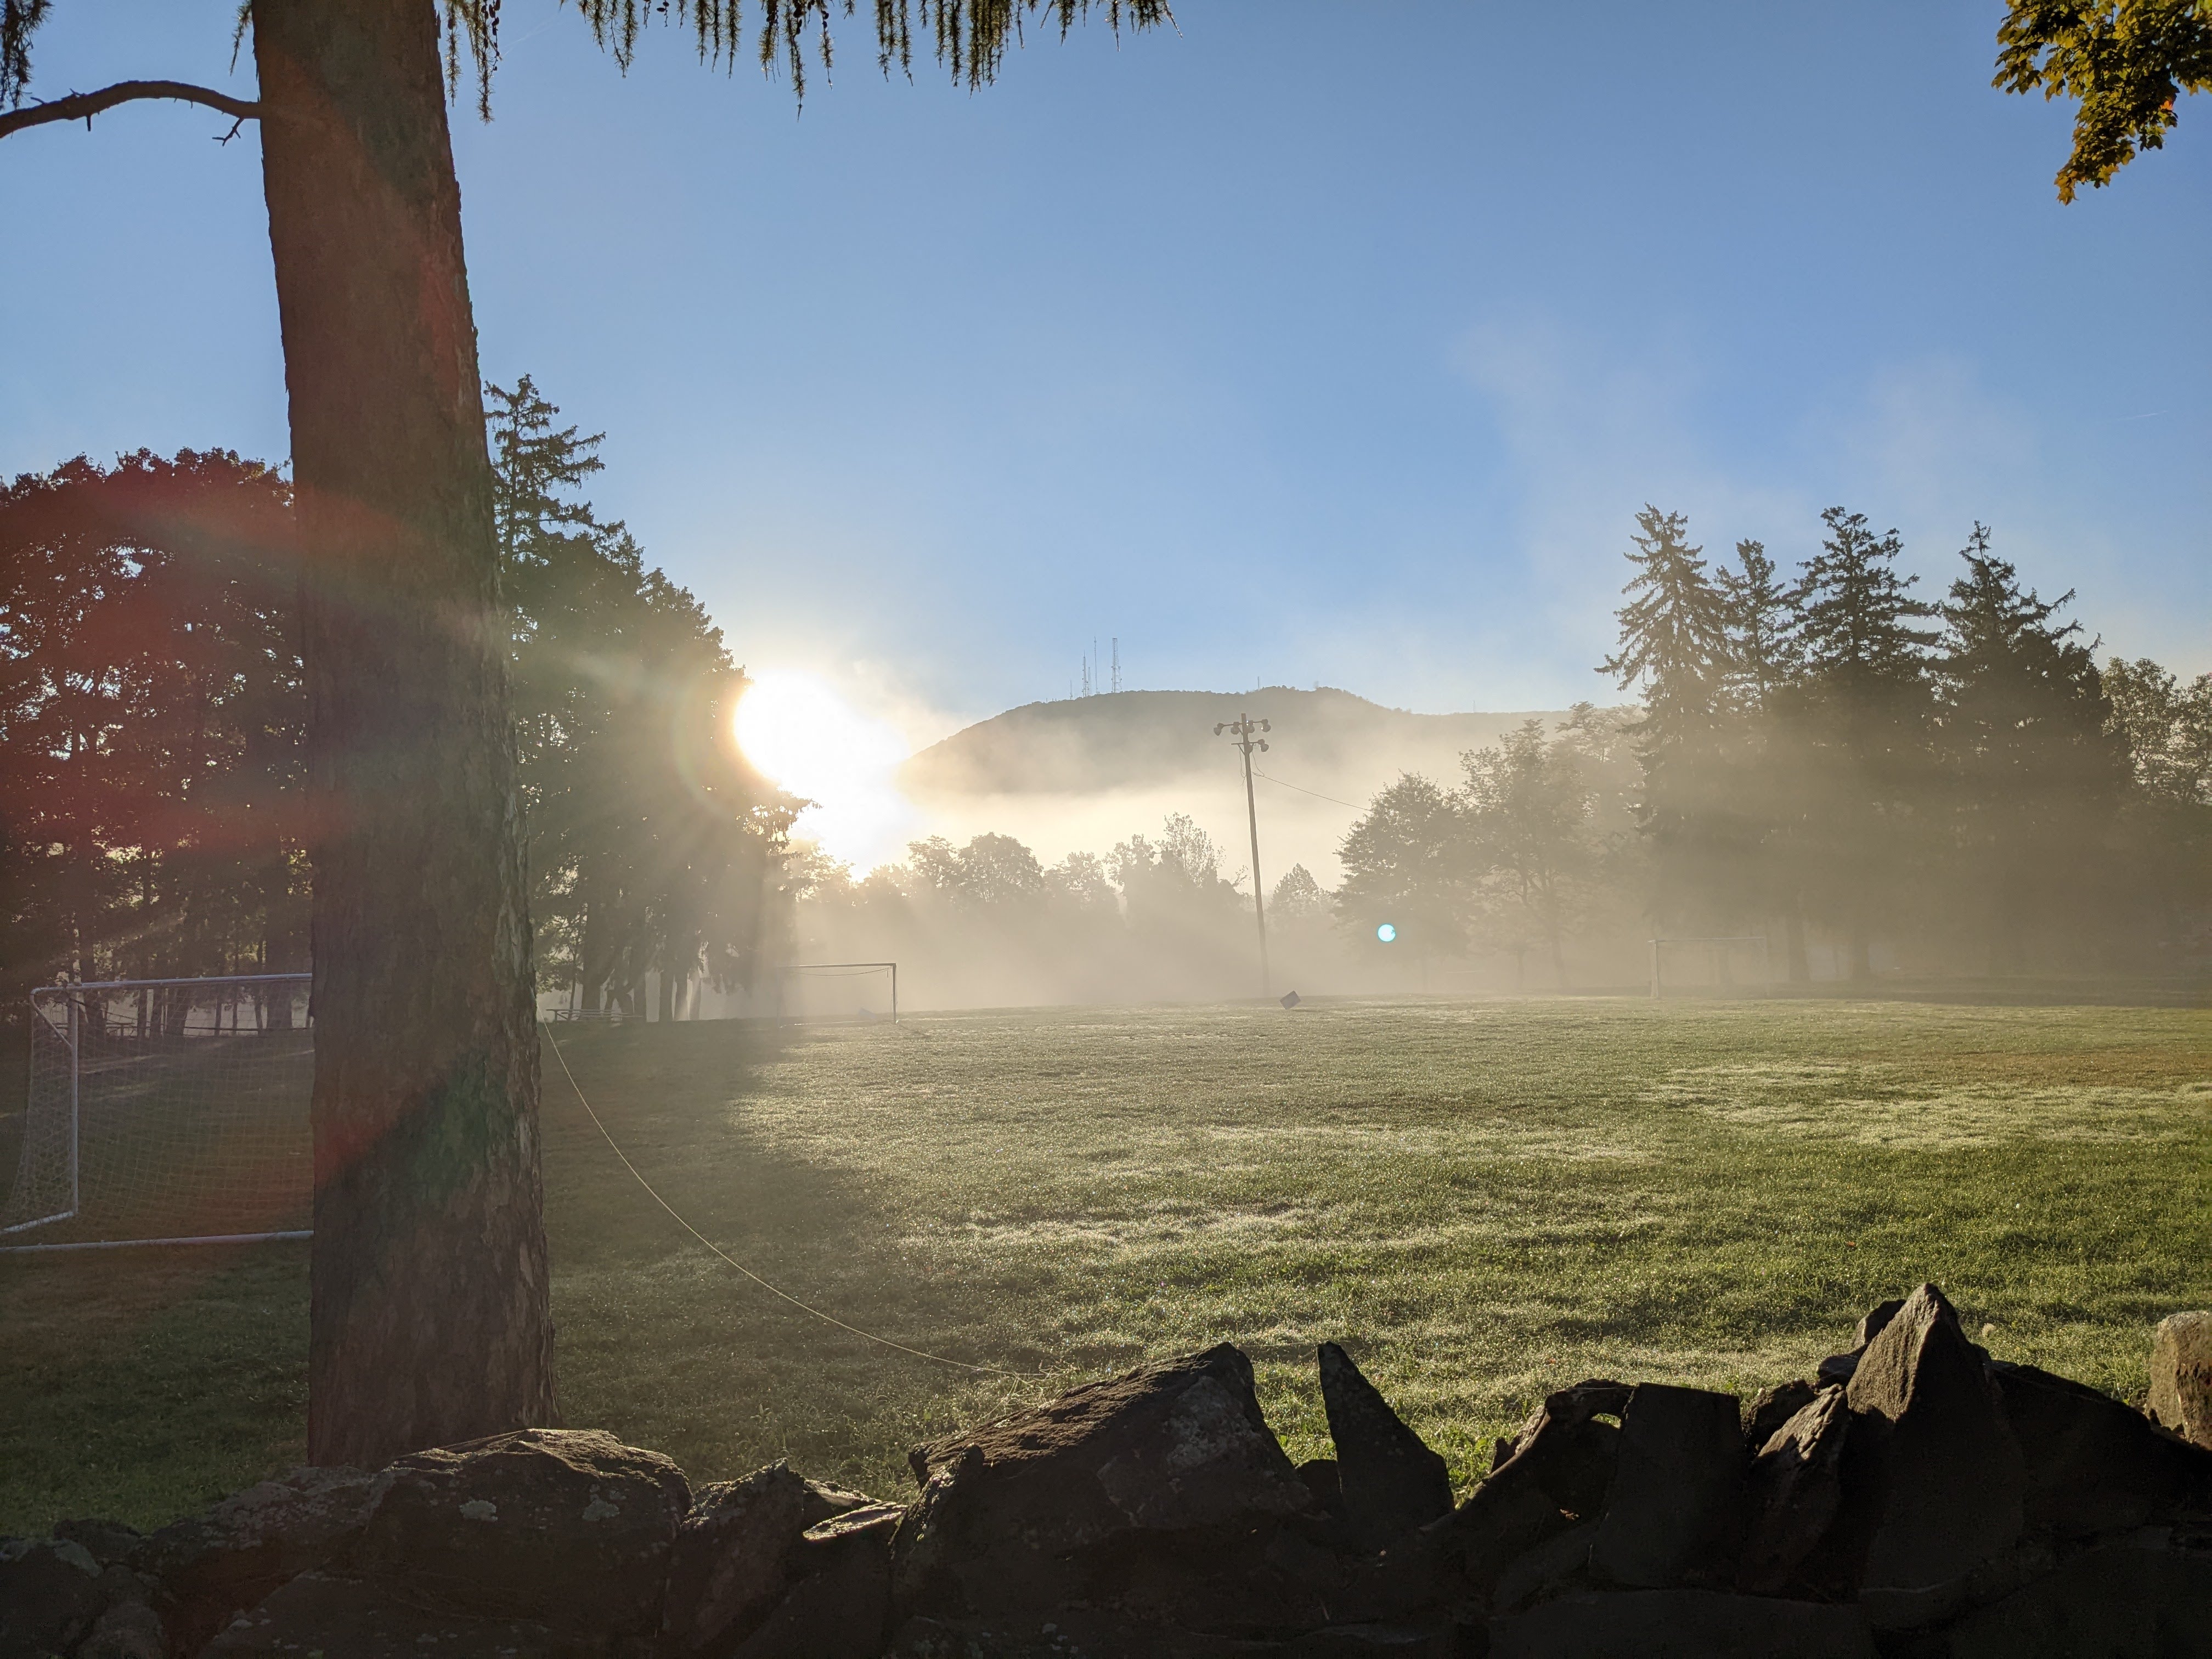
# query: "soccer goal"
{"type": "Point", "coordinates": [816, 991]}
{"type": "Point", "coordinates": [1730, 966]}
{"type": "Point", "coordinates": [164, 1111]}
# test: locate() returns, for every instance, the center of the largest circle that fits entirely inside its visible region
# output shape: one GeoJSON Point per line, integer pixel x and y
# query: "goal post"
{"type": "Point", "coordinates": [818, 991]}
{"type": "Point", "coordinates": [165, 1111]}
{"type": "Point", "coordinates": [1722, 965]}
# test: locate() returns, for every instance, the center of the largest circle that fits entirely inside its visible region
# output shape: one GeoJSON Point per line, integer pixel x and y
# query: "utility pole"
{"type": "Point", "coordinates": [1245, 731]}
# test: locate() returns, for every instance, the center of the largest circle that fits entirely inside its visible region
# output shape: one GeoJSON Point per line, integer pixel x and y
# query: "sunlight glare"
{"type": "Point", "coordinates": [797, 729]}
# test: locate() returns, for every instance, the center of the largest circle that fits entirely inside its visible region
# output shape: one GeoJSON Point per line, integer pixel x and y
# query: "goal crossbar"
{"type": "Point", "coordinates": [848, 969]}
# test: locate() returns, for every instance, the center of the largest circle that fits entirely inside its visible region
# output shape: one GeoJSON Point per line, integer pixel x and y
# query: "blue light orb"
{"type": "Point", "coordinates": [1387, 931]}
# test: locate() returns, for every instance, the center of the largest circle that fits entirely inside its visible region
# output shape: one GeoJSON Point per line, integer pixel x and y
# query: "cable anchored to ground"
{"type": "Point", "coordinates": [807, 1307]}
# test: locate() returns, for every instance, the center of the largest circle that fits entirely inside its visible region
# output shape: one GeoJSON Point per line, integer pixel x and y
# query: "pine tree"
{"type": "Point", "coordinates": [1674, 630]}
{"type": "Point", "coordinates": [2034, 772]}
{"type": "Point", "coordinates": [1762, 624]}
{"type": "Point", "coordinates": [1860, 716]}
{"type": "Point", "coordinates": [1675, 644]}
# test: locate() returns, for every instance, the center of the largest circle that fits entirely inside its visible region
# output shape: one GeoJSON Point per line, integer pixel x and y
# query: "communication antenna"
{"type": "Point", "coordinates": [1117, 663]}
{"type": "Point", "coordinates": [1245, 732]}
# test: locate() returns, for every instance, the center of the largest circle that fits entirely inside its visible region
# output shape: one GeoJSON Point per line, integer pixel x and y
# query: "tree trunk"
{"type": "Point", "coordinates": [1793, 934]}
{"type": "Point", "coordinates": [430, 1318]}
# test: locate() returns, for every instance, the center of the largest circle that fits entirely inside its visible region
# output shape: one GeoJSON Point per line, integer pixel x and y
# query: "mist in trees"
{"type": "Point", "coordinates": [1951, 786]}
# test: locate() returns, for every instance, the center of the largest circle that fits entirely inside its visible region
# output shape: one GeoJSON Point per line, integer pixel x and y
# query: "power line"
{"type": "Point", "coordinates": [1315, 793]}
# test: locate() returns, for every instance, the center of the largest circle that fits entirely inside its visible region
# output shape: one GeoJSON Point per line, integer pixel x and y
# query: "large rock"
{"type": "Point", "coordinates": [1156, 1495]}
{"type": "Point", "coordinates": [1681, 1624]}
{"type": "Point", "coordinates": [1674, 1512]}
{"type": "Point", "coordinates": [320, 1616]}
{"type": "Point", "coordinates": [2181, 1375]}
{"type": "Point", "coordinates": [1771, 1408]}
{"type": "Point", "coordinates": [50, 1595]}
{"type": "Point", "coordinates": [2137, 1598]}
{"type": "Point", "coordinates": [213, 1565]}
{"type": "Point", "coordinates": [128, 1630]}
{"type": "Point", "coordinates": [1945, 1476]}
{"type": "Point", "coordinates": [839, 1604]}
{"type": "Point", "coordinates": [568, 1528]}
{"type": "Point", "coordinates": [731, 1559]}
{"type": "Point", "coordinates": [1391, 1483]}
{"type": "Point", "coordinates": [1794, 1493]}
{"type": "Point", "coordinates": [2093, 1465]}
{"type": "Point", "coordinates": [1556, 1477]}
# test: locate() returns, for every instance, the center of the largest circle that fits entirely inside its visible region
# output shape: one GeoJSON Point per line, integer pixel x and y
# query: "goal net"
{"type": "Point", "coordinates": [837, 990]}
{"type": "Point", "coordinates": [164, 1109]}
{"type": "Point", "coordinates": [1731, 966]}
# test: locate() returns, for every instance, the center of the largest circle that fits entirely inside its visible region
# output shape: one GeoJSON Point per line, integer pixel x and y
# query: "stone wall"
{"type": "Point", "coordinates": [1915, 1497]}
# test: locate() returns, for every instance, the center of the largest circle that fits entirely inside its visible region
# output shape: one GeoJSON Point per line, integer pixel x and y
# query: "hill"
{"type": "Point", "coordinates": [1324, 739]}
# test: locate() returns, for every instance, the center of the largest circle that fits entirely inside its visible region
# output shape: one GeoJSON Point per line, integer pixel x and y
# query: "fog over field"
{"type": "Point", "coordinates": [1081, 774]}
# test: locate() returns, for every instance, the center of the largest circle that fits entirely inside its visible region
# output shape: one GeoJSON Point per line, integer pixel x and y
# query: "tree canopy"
{"type": "Point", "coordinates": [2127, 61]}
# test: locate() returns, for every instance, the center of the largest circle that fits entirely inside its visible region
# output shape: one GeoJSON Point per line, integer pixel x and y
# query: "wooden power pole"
{"type": "Point", "coordinates": [1245, 731]}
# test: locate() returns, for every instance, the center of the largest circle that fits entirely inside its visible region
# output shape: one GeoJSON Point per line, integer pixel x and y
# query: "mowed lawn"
{"type": "Point", "coordinates": [1482, 1200]}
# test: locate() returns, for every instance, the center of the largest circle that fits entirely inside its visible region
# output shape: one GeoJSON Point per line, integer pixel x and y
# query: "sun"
{"type": "Point", "coordinates": [795, 727]}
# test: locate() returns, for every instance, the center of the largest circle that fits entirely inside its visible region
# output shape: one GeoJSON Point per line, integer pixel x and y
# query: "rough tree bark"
{"type": "Point", "coordinates": [430, 1321]}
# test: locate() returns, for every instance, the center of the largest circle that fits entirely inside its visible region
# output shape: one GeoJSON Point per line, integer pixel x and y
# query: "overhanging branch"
{"type": "Point", "coordinates": [83, 106]}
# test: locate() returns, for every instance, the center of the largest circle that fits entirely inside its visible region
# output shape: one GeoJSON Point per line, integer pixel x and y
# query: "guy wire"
{"type": "Point", "coordinates": [826, 1319]}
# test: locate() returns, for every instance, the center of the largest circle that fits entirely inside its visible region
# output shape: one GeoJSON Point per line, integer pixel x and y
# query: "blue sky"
{"type": "Point", "coordinates": [1323, 340]}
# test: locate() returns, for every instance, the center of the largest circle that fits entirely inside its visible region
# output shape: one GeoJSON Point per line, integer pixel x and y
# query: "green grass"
{"type": "Point", "coordinates": [1483, 1201]}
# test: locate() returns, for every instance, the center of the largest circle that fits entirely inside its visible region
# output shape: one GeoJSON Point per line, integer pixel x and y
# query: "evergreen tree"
{"type": "Point", "coordinates": [1860, 716]}
{"type": "Point", "coordinates": [2034, 773]}
{"type": "Point", "coordinates": [1675, 644]}
{"type": "Point", "coordinates": [1674, 631]}
{"type": "Point", "coordinates": [649, 835]}
{"type": "Point", "coordinates": [1762, 621]}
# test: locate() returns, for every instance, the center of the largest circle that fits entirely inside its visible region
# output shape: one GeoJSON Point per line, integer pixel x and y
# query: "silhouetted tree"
{"type": "Point", "coordinates": [151, 713]}
{"type": "Point", "coordinates": [2023, 739]}
{"type": "Point", "coordinates": [1860, 714]}
{"type": "Point", "coordinates": [1528, 806]}
{"type": "Point", "coordinates": [1675, 646]}
{"type": "Point", "coordinates": [1406, 862]}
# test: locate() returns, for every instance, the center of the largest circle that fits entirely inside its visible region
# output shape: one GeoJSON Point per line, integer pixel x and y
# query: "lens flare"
{"type": "Point", "coordinates": [799, 732]}
{"type": "Point", "coordinates": [1387, 931]}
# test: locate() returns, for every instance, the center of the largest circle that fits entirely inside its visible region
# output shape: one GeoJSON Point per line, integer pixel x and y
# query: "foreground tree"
{"type": "Point", "coordinates": [2127, 61]}
{"type": "Point", "coordinates": [430, 1318]}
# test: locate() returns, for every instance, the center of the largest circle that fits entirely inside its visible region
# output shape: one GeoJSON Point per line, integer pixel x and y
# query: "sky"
{"type": "Point", "coordinates": [1316, 341]}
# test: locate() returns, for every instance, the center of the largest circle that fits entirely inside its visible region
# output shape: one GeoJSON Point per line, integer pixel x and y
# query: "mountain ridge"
{"type": "Point", "coordinates": [1123, 740]}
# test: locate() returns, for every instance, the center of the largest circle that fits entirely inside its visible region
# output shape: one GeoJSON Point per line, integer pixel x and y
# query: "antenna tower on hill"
{"type": "Point", "coordinates": [1117, 662]}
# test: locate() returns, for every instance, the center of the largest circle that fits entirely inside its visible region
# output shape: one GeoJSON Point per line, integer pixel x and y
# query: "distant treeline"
{"type": "Point", "coordinates": [156, 807]}
{"type": "Point", "coordinates": [1960, 783]}
{"type": "Point", "coordinates": [1159, 917]}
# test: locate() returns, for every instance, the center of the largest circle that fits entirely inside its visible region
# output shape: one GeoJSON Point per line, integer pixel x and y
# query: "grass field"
{"type": "Point", "coordinates": [1483, 1201]}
